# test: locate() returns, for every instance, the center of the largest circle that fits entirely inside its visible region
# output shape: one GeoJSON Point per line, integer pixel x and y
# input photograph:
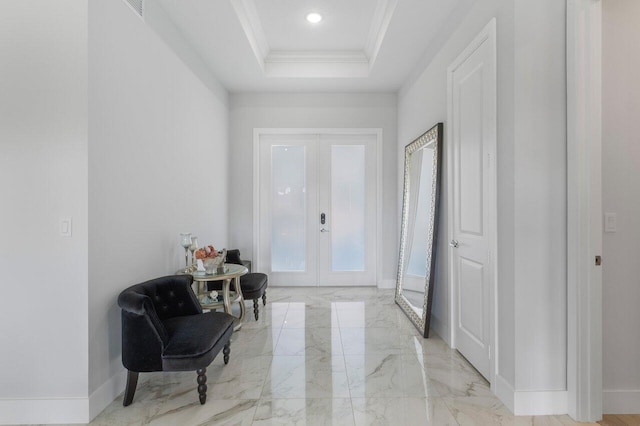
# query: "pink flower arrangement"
{"type": "Point", "coordinates": [206, 252]}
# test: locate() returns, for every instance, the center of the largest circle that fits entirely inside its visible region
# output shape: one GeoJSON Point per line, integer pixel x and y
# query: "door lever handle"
{"type": "Point", "coordinates": [324, 230]}
{"type": "Point", "coordinates": [453, 243]}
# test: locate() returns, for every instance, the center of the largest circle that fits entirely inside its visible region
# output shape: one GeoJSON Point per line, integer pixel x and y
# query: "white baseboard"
{"type": "Point", "coordinates": [441, 328]}
{"type": "Point", "coordinates": [540, 403]}
{"type": "Point", "coordinates": [105, 394]}
{"type": "Point", "coordinates": [504, 392]}
{"type": "Point", "coordinates": [387, 284]}
{"type": "Point", "coordinates": [44, 411]}
{"type": "Point", "coordinates": [621, 402]}
{"type": "Point", "coordinates": [64, 410]}
{"type": "Point", "coordinates": [531, 403]}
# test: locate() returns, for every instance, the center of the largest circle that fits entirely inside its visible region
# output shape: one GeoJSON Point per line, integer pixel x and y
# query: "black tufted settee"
{"type": "Point", "coordinates": [253, 285]}
{"type": "Point", "coordinates": [164, 329]}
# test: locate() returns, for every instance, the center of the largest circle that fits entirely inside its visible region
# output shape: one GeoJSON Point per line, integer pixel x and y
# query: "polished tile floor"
{"type": "Point", "coordinates": [341, 356]}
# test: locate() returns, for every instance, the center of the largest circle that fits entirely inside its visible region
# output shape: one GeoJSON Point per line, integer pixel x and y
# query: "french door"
{"type": "Point", "coordinates": [317, 221]}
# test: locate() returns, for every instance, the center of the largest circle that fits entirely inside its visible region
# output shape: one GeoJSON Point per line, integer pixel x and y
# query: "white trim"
{"type": "Point", "coordinates": [256, 196]}
{"type": "Point", "coordinates": [379, 204]}
{"type": "Point", "coordinates": [250, 22]}
{"type": "Point", "coordinates": [386, 283]}
{"type": "Point", "coordinates": [530, 403]}
{"type": "Point", "coordinates": [378, 30]}
{"type": "Point", "coordinates": [108, 392]}
{"type": "Point", "coordinates": [584, 227]}
{"type": "Point", "coordinates": [257, 132]}
{"type": "Point", "coordinates": [621, 401]}
{"type": "Point", "coordinates": [487, 33]}
{"type": "Point", "coordinates": [440, 327]}
{"type": "Point", "coordinates": [138, 13]}
{"type": "Point", "coordinates": [334, 63]}
{"type": "Point", "coordinates": [310, 66]}
{"type": "Point", "coordinates": [504, 391]}
{"type": "Point", "coordinates": [304, 56]}
{"type": "Point", "coordinates": [44, 411]}
{"type": "Point", "coordinates": [539, 403]}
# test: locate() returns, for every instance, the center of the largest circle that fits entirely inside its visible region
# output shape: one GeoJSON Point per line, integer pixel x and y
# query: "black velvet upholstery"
{"type": "Point", "coordinates": [188, 349]}
{"type": "Point", "coordinates": [253, 285]}
{"type": "Point", "coordinates": [164, 329]}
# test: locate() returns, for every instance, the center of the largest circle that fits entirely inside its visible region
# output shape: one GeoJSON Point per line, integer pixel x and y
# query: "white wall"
{"type": "Point", "coordinates": [423, 103]}
{"type": "Point", "coordinates": [249, 111]}
{"type": "Point", "coordinates": [621, 195]}
{"type": "Point", "coordinates": [157, 167]}
{"type": "Point", "coordinates": [531, 186]}
{"type": "Point", "coordinates": [540, 167]}
{"type": "Point", "coordinates": [43, 177]}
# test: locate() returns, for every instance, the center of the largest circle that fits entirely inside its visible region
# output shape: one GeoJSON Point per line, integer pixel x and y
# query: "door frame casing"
{"type": "Point", "coordinates": [257, 132]}
{"type": "Point", "coordinates": [488, 33]}
{"type": "Point", "coordinates": [584, 209]}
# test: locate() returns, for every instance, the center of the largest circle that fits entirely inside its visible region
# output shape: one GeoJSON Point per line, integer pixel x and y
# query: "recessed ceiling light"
{"type": "Point", "coordinates": [314, 17]}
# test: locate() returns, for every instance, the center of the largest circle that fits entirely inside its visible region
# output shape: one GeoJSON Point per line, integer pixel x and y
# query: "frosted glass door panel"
{"type": "Point", "coordinates": [348, 196]}
{"type": "Point", "coordinates": [301, 177]}
{"type": "Point", "coordinates": [288, 226]}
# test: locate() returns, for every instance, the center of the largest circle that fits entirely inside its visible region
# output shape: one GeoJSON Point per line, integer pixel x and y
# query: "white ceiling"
{"type": "Point", "coordinates": [267, 45]}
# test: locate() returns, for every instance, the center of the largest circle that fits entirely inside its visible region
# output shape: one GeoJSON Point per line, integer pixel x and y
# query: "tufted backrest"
{"type": "Point", "coordinates": [233, 256]}
{"type": "Point", "coordinates": [171, 296]}
{"type": "Point", "coordinates": [144, 307]}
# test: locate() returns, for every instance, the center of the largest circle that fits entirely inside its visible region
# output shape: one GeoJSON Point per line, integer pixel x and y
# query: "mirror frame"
{"type": "Point", "coordinates": [421, 322]}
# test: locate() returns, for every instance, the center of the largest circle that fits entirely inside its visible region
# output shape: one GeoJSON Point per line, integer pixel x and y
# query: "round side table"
{"type": "Point", "coordinates": [231, 272]}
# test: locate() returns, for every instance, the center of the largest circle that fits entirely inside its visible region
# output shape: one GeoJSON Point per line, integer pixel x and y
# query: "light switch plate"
{"type": "Point", "coordinates": [610, 222]}
{"type": "Point", "coordinates": [65, 227]}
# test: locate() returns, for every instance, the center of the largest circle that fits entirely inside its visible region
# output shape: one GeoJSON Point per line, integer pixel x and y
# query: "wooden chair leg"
{"type": "Point", "coordinates": [202, 385]}
{"type": "Point", "coordinates": [226, 351]}
{"type": "Point", "coordinates": [264, 298]}
{"type": "Point", "coordinates": [256, 308]}
{"type": "Point", "coordinates": [130, 390]}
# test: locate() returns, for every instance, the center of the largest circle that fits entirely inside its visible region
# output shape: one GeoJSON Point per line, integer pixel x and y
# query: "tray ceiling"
{"type": "Point", "coordinates": [267, 45]}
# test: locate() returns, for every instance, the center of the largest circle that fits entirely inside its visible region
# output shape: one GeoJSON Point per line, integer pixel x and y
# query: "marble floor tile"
{"type": "Point", "coordinates": [325, 356]}
{"type": "Point", "coordinates": [401, 411]}
{"type": "Point", "coordinates": [254, 342]}
{"type": "Point", "coordinates": [387, 376]}
{"type": "Point", "coordinates": [458, 383]}
{"type": "Point", "coordinates": [272, 315]}
{"type": "Point", "coordinates": [326, 411]}
{"type": "Point", "coordinates": [310, 317]}
{"type": "Point", "coordinates": [309, 342]}
{"type": "Point", "coordinates": [307, 377]}
{"type": "Point", "coordinates": [477, 411]}
{"type": "Point", "coordinates": [388, 316]}
{"type": "Point", "coordinates": [369, 340]}
{"type": "Point", "coordinates": [240, 379]}
{"type": "Point", "coordinates": [184, 410]}
{"type": "Point", "coordinates": [138, 413]}
{"type": "Point", "coordinates": [351, 319]}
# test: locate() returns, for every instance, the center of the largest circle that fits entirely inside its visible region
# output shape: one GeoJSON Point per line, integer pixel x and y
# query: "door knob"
{"type": "Point", "coordinates": [454, 243]}
{"type": "Point", "coordinates": [324, 230]}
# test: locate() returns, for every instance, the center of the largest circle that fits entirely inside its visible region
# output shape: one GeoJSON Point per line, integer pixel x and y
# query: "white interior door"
{"type": "Point", "coordinates": [472, 80]}
{"type": "Point", "coordinates": [317, 223]}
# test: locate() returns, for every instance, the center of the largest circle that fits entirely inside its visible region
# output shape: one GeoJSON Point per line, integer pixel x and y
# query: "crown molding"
{"type": "Point", "coordinates": [305, 56]}
{"type": "Point", "coordinates": [310, 64]}
{"type": "Point", "coordinates": [250, 20]}
{"type": "Point", "coordinates": [378, 30]}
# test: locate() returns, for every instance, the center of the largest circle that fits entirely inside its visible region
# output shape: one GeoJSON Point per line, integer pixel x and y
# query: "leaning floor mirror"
{"type": "Point", "coordinates": [416, 265]}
